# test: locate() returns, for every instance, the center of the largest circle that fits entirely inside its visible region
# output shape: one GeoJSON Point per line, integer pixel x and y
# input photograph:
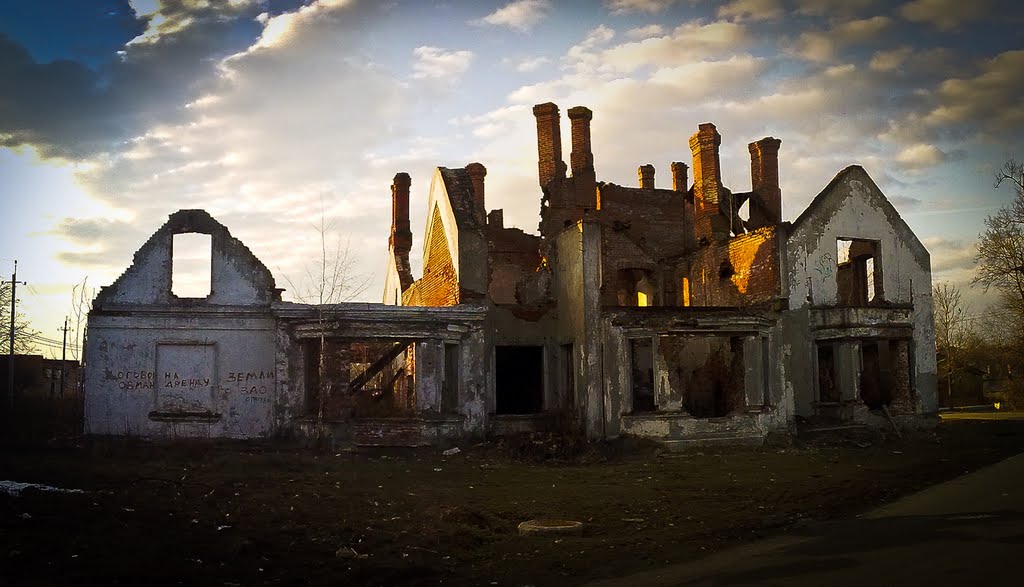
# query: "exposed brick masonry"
{"type": "Point", "coordinates": [766, 206]}
{"type": "Point", "coordinates": [646, 175]}
{"type": "Point", "coordinates": [439, 286]}
{"type": "Point", "coordinates": [477, 172]}
{"type": "Point", "coordinates": [581, 158]}
{"type": "Point", "coordinates": [549, 143]}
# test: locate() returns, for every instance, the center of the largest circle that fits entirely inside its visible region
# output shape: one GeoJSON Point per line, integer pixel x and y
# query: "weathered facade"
{"type": "Point", "coordinates": [687, 313]}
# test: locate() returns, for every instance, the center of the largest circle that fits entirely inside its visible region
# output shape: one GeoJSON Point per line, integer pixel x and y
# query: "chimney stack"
{"type": "Point", "coordinates": [707, 182]}
{"type": "Point", "coordinates": [766, 206]}
{"type": "Point", "coordinates": [477, 172]}
{"type": "Point", "coordinates": [496, 218]}
{"type": "Point", "coordinates": [549, 143]}
{"type": "Point", "coordinates": [679, 176]}
{"type": "Point", "coordinates": [401, 235]}
{"type": "Point", "coordinates": [646, 174]}
{"type": "Point", "coordinates": [581, 158]}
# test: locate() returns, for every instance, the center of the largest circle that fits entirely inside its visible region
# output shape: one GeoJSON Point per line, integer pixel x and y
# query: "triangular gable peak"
{"type": "Point", "coordinates": [237, 277]}
{"type": "Point", "coordinates": [854, 182]}
{"type": "Point", "coordinates": [852, 211]}
{"type": "Point", "coordinates": [451, 197]}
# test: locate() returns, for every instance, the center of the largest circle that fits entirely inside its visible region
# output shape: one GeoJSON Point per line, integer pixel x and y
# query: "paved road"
{"type": "Point", "coordinates": [968, 531]}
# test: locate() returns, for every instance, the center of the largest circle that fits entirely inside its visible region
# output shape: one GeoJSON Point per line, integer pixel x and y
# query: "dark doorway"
{"type": "Point", "coordinates": [643, 376]}
{"type": "Point", "coordinates": [450, 387]}
{"type": "Point", "coordinates": [519, 379]}
{"type": "Point", "coordinates": [877, 376]}
{"type": "Point", "coordinates": [828, 390]}
{"type": "Point", "coordinates": [715, 384]}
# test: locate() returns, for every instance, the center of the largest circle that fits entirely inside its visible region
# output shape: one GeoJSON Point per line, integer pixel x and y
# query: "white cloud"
{"type": "Point", "coordinates": [822, 46]}
{"type": "Point", "coordinates": [890, 60]}
{"type": "Point", "coordinates": [272, 141]}
{"type": "Point", "coordinates": [531, 64]}
{"type": "Point", "coordinates": [946, 15]}
{"type": "Point", "coordinates": [834, 8]}
{"type": "Point", "coordinates": [521, 15]}
{"type": "Point", "coordinates": [651, 30]}
{"type": "Point", "coordinates": [438, 63]}
{"type": "Point", "coordinates": [920, 156]}
{"type": "Point", "coordinates": [690, 41]}
{"type": "Point", "coordinates": [628, 6]}
{"type": "Point", "coordinates": [754, 10]}
{"type": "Point", "coordinates": [991, 98]}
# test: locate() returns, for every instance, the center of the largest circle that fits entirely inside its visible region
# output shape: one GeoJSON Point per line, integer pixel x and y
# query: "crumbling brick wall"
{"type": "Point", "coordinates": [440, 284]}
{"type": "Point", "coordinates": [741, 271]}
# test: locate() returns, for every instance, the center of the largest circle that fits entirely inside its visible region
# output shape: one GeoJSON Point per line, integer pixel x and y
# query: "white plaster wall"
{"type": "Point", "coordinates": [127, 380]}
{"type": "Point", "coordinates": [856, 208]}
{"type": "Point", "coordinates": [392, 282]}
{"type": "Point", "coordinates": [812, 251]}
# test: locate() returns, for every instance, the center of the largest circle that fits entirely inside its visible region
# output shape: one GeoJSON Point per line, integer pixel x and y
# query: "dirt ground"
{"type": "Point", "coordinates": [243, 514]}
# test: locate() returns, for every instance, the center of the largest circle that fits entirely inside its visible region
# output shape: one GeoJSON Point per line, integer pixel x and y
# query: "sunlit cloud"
{"type": "Point", "coordinates": [520, 15]}
{"type": "Point", "coordinates": [437, 63]}
{"type": "Point", "coordinates": [946, 15]}
{"type": "Point", "coordinates": [628, 6]}
{"type": "Point", "coordinates": [822, 46]}
{"type": "Point", "coordinates": [752, 10]}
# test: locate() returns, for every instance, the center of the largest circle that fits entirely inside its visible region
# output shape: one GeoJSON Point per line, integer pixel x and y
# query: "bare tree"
{"type": "Point", "coordinates": [955, 336]}
{"type": "Point", "coordinates": [23, 333]}
{"type": "Point", "coordinates": [81, 299]}
{"type": "Point", "coordinates": [1001, 246]}
{"type": "Point", "coordinates": [330, 280]}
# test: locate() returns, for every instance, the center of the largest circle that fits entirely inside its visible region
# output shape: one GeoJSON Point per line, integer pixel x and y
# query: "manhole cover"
{"type": "Point", "coordinates": [550, 526]}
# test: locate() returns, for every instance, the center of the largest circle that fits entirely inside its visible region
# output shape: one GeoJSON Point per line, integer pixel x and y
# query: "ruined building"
{"type": "Point", "coordinates": [688, 313]}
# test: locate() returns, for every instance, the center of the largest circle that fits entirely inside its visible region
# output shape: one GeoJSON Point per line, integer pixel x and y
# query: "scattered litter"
{"type": "Point", "coordinates": [15, 488]}
{"type": "Point", "coordinates": [635, 520]}
{"type": "Point", "coordinates": [26, 516]}
{"type": "Point", "coordinates": [347, 552]}
{"type": "Point", "coordinates": [437, 469]}
{"type": "Point", "coordinates": [219, 528]}
{"type": "Point", "coordinates": [451, 451]}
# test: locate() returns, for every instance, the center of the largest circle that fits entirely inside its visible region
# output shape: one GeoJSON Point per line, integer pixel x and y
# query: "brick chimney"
{"type": "Point", "coordinates": [581, 158]}
{"type": "Point", "coordinates": [477, 172]}
{"type": "Point", "coordinates": [766, 205]}
{"type": "Point", "coordinates": [646, 175]}
{"type": "Point", "coordinates": [401, 236]}
{"type": "Point", "coordinates": [496, 218]}
{"type": "Point", "coordinates": [549, 143]}
{"type": "Point", "coordinates": [679, 176]}
{"type": "Point", "coordinates": [707, 182]}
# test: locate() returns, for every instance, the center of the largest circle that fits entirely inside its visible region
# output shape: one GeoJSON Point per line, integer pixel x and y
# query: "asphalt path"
{"type": "Point", "coordinates": [968, 531]}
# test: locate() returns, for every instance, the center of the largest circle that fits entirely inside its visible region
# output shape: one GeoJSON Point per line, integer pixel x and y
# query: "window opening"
{"type": "Point", "coordinates": [191, 265]}
{"type": "Point", "coordinates": [858, 273]}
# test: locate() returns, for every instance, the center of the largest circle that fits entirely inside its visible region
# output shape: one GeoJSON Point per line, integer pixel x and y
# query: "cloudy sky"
{"type": "Point", "coordinates": [115, 113]}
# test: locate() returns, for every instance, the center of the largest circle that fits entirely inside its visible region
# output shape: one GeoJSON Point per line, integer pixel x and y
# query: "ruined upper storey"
{"type": "Point", "coordinates": [237, 277]}
{"type": "Point", "coordinates": [712, 211]}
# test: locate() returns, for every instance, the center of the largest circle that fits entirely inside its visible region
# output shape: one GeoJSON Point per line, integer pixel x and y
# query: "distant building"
{"type": "Point", "coordinates": [684, 313]}
{"type": "Point", "coordinates": [36, 376]}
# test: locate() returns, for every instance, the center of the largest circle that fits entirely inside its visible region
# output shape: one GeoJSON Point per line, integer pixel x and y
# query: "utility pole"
{"type": "Point", "coordinates": [10, 370]}
{"type": "Point", "coordinates": [63, 355]}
